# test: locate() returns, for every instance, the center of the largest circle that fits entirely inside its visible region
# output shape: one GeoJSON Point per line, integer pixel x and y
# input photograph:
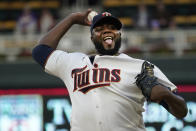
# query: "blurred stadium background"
{"type": "Point", "coordinates": [163, 32]}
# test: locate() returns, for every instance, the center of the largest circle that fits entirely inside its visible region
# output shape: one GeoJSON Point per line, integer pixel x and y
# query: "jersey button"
{"type": "Point", "coordinates": [97, 106]}
{"type": "Point", "coordinates": [100, 123]}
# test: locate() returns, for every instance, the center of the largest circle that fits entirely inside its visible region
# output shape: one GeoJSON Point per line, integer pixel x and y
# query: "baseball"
{"type": "Point", "coordinates": [91, 15]}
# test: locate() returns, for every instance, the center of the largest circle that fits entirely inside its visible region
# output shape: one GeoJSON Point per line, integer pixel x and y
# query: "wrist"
{"type": "Point", "coordinates": [76, 18]}
{"type": "Point", "coordinates": [73, 18]}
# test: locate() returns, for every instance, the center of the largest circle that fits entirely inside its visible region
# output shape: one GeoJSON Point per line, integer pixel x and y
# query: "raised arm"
{"type": "Point", "coordinates": [49, 42]}
{"type": "Point", "coordinates": [55, 34]}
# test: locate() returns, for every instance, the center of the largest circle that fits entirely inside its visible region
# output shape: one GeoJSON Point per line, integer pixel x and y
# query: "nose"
{"type": "Point", "coordinates": [106, 31]}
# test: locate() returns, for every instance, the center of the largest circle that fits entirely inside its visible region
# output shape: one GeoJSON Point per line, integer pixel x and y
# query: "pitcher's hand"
{"type": "Point", "coordinates": [81, 18]}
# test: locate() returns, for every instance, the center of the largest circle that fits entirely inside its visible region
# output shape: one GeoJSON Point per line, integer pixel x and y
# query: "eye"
{"type": "Point", "coordinates": [112, 27]}
{"type": "Point", "coordinates": [100, 28]}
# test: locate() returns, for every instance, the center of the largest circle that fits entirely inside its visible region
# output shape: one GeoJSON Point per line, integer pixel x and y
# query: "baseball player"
{"type": "Point", "coordinates": [107, 90]}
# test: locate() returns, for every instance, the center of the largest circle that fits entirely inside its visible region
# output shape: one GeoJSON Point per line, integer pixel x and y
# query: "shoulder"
{"type": "Point", "coordinates": [60, 60]}
{"type": "Point", "coordinates": [60, 53]}
{"type": "Point", "coordinates": [132, 59]}
{"type": "Point", "coordinates": [62, 57]}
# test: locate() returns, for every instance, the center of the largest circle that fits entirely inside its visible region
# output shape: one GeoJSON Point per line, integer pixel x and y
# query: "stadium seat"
{"type": "Point", "coordinates": [10, 10]}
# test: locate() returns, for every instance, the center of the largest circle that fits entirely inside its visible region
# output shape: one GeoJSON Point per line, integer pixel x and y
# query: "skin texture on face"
{"type": "Point", "coordinates": [107, 39]}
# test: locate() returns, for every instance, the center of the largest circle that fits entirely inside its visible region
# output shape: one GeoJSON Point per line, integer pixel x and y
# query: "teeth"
{"type": "Point", "coordinates": [107, 37]}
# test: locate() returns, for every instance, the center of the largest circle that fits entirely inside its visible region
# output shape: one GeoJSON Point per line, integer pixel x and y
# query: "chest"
{"type": "Point", "coordinates": [113, 74]}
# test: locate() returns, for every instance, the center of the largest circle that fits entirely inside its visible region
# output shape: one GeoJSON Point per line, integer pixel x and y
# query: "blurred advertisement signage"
{"type": "Point", "coordinates": [21, 113]}
{"type": "Point", "coordinates": [50, 110]}
{"type": "Point", "coordinates": [57, 113]}
{"type": "Point", "coordinates": [156, 118]}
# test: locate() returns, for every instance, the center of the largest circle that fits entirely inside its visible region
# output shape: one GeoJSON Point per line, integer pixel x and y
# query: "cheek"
{"type": "Point", "coordinates": [97, 34]}
{"type": "Point", "coordinates": [118, 35]}
{"type": "Point", "coordinates": [97, 37]}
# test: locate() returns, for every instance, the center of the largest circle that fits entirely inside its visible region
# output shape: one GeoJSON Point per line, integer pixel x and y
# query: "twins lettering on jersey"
{"type": "Point", "coordinates": [100, 77]}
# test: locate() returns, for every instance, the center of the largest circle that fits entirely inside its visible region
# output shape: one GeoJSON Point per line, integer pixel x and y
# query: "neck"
{"type": "Point", "coordinates": [117, 54]}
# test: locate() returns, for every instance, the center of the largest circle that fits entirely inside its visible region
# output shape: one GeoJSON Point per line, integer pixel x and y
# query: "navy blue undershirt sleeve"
{"type": "Point", "coordinates": [41, 53]}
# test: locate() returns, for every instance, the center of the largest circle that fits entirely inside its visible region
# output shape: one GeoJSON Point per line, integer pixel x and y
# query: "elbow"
{"type": "Point", "coordinates": [181, 116]}
{"type": "Point", "coordinates": [183, 113]}
{"type": "Point", "coordinates": [184, 110]}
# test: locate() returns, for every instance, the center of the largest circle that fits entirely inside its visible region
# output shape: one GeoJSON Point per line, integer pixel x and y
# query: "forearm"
{"type": "Point", "coordinates": [49, 42]}
{"type": "Point", "coordinates": [53, 37]}
{"type": "Point", "coordinates": [157, 92]}
{"type": "Point", "coordinates": [176, 105]}
{"type": "Point", "coordinates": [172, 102]}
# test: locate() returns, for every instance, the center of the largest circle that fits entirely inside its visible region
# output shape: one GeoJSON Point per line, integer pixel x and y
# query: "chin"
{"type": "Point", "coordinates": [107, 49]}
{"type": "Point", "coordinates": [110, 51]}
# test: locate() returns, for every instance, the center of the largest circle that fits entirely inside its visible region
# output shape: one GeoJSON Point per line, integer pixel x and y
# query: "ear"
{"type": "Point", "coordinates": [119, 33]}
{"type": "Point", "coordinates": [91, 37]}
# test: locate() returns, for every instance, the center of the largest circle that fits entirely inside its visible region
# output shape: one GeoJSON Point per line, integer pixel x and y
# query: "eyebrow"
{"type": "Point", "coordinates": [101, 25]}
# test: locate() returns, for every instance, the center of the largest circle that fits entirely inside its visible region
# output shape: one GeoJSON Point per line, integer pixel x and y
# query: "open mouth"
{"type": "Point", "coordinates": [108, 40]}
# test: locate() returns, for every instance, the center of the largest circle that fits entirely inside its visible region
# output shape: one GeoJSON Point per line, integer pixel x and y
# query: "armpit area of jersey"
{"type": "Point", "coordinates": [41, 53]}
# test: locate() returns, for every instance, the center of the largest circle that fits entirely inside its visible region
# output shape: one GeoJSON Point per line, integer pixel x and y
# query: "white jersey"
{"type": "Point", "coordinates": [104, 94]}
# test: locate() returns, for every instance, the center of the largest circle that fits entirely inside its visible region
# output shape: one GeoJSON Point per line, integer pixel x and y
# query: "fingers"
{"type": "Point", "coordinates": [81, 18]}
{"type": "Point", "coordinates": [88, 23]}
{"type": "Point", "coordinates": [86, 17]}
{"type": "Point", "coordinates": [87, 12]}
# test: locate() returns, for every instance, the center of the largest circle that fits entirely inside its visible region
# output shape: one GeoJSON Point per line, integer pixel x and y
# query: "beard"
{"type": "Point", "coordinates": [100, 49]}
